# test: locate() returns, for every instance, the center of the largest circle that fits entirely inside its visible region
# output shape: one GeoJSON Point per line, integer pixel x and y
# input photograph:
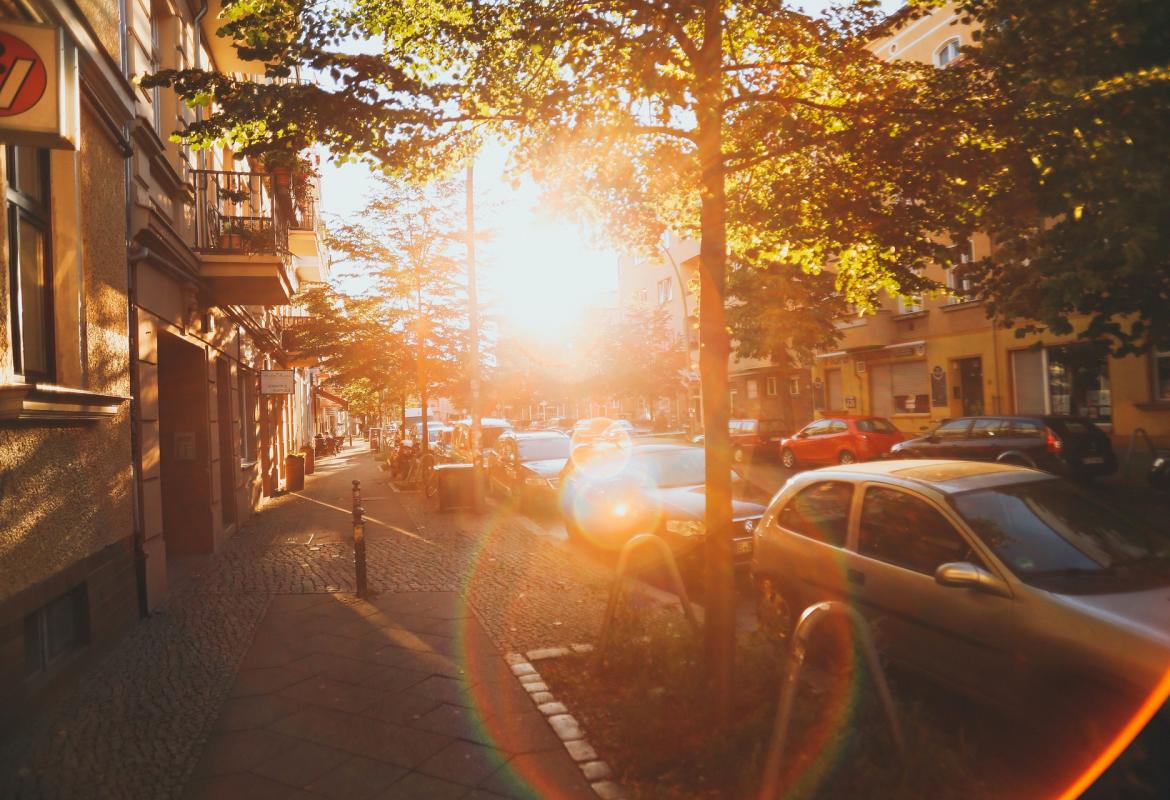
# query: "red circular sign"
{"type": "Point", "coordinates": [22, 76]}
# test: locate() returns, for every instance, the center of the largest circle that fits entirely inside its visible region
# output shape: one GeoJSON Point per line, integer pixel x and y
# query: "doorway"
{"type": "Point", "coordinates": [227, 430]}
{"type": "Point", "coordinates": [184, 454]}
{"type": "Point", "coordinates": [970, 385]}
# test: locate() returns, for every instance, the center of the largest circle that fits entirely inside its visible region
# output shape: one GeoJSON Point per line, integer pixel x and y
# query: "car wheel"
{"type": "Point", "coordinates": [846, 457]}
{"type": "Point", "coordinates": [775, 614]}
{"type": "Point", "coordinates": [788, 458]}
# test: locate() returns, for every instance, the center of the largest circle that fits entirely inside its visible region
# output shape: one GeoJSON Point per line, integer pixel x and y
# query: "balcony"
{"type": "Point", "coordinates": [866, 333]}
{"type": "Point", "coordinates": [242, 238]}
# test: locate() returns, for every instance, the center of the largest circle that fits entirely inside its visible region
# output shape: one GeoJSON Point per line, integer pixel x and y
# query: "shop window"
{"type": "Point", "coordinates": [1162, 375]}
{"type": "Point", "coordinates": [1070, 379]}
{"type": "Point", "coordinates": [900, 388]}
{"type": "Point", "coordinates": [30, 271]}
{"type": "Point", "coordinates": [55, 630]}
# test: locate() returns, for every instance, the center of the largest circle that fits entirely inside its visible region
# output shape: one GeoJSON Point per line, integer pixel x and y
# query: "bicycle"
{"type": "Point", "coordinates": [430, 476]}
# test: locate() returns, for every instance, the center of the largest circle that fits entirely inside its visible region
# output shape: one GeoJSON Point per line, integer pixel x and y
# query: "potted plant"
{"type": "Point", "coordinates": [231, 234]}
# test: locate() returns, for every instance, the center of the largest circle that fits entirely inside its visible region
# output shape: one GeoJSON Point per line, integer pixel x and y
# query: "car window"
{"type": "Point", "coordinates": [988, 428]}
{"type": "Point", "coordinates": [901, 529]}
{"type": "Point", "coordinates": [820, 512]}
{"type": "Point", "coordinates": [733, 425]}
{"type": "Point", "coordinates": [954, 429]}
{"type": "Point", "coordinates": [876, 426]}
{"type": "Point", "coordinates": [1025, 427]}
{"type": "Point", "coordinates": [544, 448]}
{"type": "Point", "coordinates": [817, 428]}
{"type": "Point", "coordinates": [837, 426]}
{"type": "Point", "coordinates": [748, 426]}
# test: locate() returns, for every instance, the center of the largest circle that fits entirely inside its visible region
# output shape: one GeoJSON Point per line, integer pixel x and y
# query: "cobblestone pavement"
{"type": "Point", "coordinates": [135, 723]}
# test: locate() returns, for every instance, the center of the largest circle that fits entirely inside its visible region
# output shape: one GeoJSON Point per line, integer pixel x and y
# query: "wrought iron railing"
{"type": "Point", "coordinates": [304, 215]}
{"type": "Point", "coordinates": [237, 212]}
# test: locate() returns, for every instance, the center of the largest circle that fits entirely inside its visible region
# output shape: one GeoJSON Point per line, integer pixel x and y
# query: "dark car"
{"type": "Point", "coordinates": [1070, 446]}
{"type": "Point", "coordinates": [526, 466]}
{"type": "Point", "coordinates": [611, 493]}
{"type": "Point", "coordinates": [490, 430]}
{"type": "Point", "coordinates": [751, 438]}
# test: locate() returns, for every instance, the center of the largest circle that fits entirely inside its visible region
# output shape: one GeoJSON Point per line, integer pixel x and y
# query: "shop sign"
{"type": "Point", "coordinates": [39, 104]}
{"type": "Point", "coordinates": [938, 386]}
{"type": "Point", "coordinates": [277, 381]}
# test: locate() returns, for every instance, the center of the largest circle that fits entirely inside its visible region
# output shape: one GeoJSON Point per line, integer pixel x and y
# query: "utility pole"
{"type": "Point", "coordinates": [473, 345]}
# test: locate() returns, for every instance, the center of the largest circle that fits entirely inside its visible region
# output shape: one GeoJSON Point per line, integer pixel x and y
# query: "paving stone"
{"type": "Point", "coordinates": [356, 779]}
{"type": "Point", "coordinates": [259, 711]}
{"type": "Point", "coordinates": [455, 721]}
{"type": "Point", "coordinates": [446, 690]}
{"type": "Point", "coordinates": [608, 790]}
{"type": "Point", "coordinates": [417, 786]}
{"type": "Point", "coordinates": [332, 694]}
{"type": "Point", "coordinates": [528, 678]}
{"type": "Point", "coordinates": [363, 736]}
{"type": "Point", "coordinates": [536, 687]}
{"type": "Point", "coordinates": [596, 771]}
{"type": "Point", "coordinates": [237, 786]}
{"type": "Point", "coordinates": [547, 652]}
{"type": "Point", "coordinates": [580, 750]}
{"type": "Point", "coordinates": [540, 698]}
{"type": "Point", "coordinates": [301, 765]}
{"type": "Point", "coordinates": [519, 777]}
{"type": "Point", "coordinates": [523, 668]}
{"type": "Point", "coordinates": [581, 648]}
{"type": "Point", "coordinates": [566, 727]}
{"type": "Point", "coordinates": [464, 762]}
{"type": "Point", "coordinates": [241, 751]}
{"type": "Point", "coordinates": [549, 709]}
{"type": "Point", "coordinates": [513, 658]}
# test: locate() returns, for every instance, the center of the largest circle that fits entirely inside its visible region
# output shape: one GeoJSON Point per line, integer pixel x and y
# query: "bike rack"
{"type": "Point", "coordinates": [1154, 452]}
{"type": "Point", "coordinates": [808, 623]}
{"type": "Point", "coordinates": [623, 564]}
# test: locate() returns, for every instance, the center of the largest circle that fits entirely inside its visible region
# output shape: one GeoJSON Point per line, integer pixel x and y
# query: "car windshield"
{"type": "Point", "coordinates": [1045, 530]}
{"type": "Point", "coordinates": [679, 467]}
{"type": "Point", "coordinates": [544, 448]}
{"type": "Point", "coordinates": [876, 426]}
{"type": "Point", "coordinates": [488, 435]}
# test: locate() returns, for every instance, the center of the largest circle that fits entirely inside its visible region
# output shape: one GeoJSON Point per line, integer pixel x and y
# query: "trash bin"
{"type": "Point", "coordinates": [294, 472]}
{"type": "Point", "coordinates": [307, 452]}
{"type": "Point", "coordinates": [456, 485]}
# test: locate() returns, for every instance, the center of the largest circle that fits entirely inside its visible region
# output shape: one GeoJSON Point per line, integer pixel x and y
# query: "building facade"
{"type": "Point", "coordinates": [147, 396]}
{"type": "Point", "coordinates": [921, 360]}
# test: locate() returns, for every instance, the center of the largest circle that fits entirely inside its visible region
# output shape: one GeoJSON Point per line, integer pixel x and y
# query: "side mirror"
{"type": "Point", "coordinates": [963, 575]}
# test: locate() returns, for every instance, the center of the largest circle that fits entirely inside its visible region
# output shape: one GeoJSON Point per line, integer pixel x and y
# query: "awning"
{"type": "Point", "coordinates": [332, 397]}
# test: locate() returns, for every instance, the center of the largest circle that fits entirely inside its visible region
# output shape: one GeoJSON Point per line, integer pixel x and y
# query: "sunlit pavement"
{"type": "Point", "coordinates": [450, 592]}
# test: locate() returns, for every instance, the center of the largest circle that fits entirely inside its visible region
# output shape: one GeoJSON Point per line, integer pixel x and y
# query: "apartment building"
{"type": "Point", "coordinates": [148, 395]}
{"type": "Point", "coordinates": [921, 360]}
{"type": "Point", "coordinates": [759, 388]}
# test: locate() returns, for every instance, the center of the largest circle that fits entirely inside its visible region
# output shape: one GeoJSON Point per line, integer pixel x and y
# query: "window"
{"type": "Point", "coordinates": [818, 428]}
{"type": "Point", "coordinates": [876, 426]}
{"type": "Point", "coordinates": [794, 386]}
{"type": "Point", "coordinates": [1162, 375]}
{"type": "Point", "coordinates": [836, 426]}
{"type": "Point", "coordinates": [640, 296]}
{"type": "Point", "coordinates": [753, 390]}
{"type": "Point", "coordinates": [947, 53]}
{"type": "Point", "coordinates": [30, 270]}
{"type": "Point", "coordinates": [960, 288]}
{"type": "Point", "coordinates": [909, 305]}
{"type": "Point", "coordinates": [953, 429]}
{"type": "Point", "coordinates": [665, 291]}
{"type": "Point", "coordinates": [900, 388]}
{"type": "Point", "coordinates": [772, 387]}
{"type": "Point", "coordinates": [55, 630]}
{"type": "Point", "coordinates": [1026, 428]}
{"type": "Point", "coordinates": [250, 434]}
{"type": "Point", "coordinates": [900, 529]}
{"type": "Point", "coordinates": [989, 428]}
{"type": "Point", "coordinates": [820, 512]}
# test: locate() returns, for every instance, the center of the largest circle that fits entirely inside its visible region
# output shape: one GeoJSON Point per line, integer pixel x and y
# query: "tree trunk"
{"type": "Point", "coordinates": [714, 348]}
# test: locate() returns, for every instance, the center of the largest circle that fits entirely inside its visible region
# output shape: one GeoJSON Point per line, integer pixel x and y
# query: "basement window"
{"type": "Point", "coordinates": [55, 630]}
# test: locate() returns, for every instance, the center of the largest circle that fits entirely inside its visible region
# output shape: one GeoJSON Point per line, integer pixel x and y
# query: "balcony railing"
{"type": "Point", "coordinates": [236, 212]}
{"type": "Point", "coordinates": [304, 215]}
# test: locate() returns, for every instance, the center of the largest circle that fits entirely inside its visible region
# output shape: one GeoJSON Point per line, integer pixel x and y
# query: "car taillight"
{"type": "Point", "coordinates": [1053, 444]}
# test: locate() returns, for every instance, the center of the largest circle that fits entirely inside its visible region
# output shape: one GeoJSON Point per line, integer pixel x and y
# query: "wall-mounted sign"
{"type": "Point", "coordinates": [851, 402]}
{"type": "Point", "coordinates": [39, 103]}
{"type": "Point", "coordinates": [185, 446]}
{"type": "Point", "coordinates": [938, 387]}
{"type": "Point", "coordinates": [277, 381]}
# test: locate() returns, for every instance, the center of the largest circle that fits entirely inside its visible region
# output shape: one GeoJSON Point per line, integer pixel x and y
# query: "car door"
{"type": "Point", "coordinates": [959, 636]}
{"type": "Point", "coordinates": [948, 439]}
{"type": "Point", "coordinates": [985, 441]}
{"type": "Point", "coordinates": [805, 444]}
{"type": "Point", "coordinates": [819, 441]}
{"type": "Point", "coordinates": [509, 454]}
{"type": "Point", "coordinates": [807, 544]}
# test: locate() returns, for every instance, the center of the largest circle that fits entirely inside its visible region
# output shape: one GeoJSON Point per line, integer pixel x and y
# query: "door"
{"type": "Point", "coordinates": [809, 555]}
{"type": "Point", "coordinates": [814, 447]}
{"type": "Point", "coordinates": [948, 439]}
{"type": "Point", "coordinates": [960, 636]}
{"type": "Point", "coordinates": [970, 386]}
{"type": "Point", "coordinates": [229, 465]}
{"type": "Point", "coordinates": [835, 399]}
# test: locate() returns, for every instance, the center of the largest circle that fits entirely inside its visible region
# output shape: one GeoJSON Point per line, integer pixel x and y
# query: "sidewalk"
{"type": "Point", "coordinates": [264, 677]}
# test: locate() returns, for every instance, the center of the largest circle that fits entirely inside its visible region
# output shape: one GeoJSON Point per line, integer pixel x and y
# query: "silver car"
{"type": "Point", "coordinates": [1003, 582]}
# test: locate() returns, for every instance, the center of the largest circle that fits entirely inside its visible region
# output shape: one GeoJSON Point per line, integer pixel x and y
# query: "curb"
{"type": "Point", "coordinates": [564, 725]}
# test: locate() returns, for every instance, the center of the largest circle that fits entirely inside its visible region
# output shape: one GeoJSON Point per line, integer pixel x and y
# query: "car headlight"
{"type": "Point", "coordinates": [686, 527]}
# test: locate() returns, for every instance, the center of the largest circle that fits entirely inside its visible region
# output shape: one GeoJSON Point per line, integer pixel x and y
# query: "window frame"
{"type": "Point", "coordinates": [665, 291]}
{"type": "Point", "coordinates": [977, 558]}
{"type": "Point", "coordinates": [1156, 394]}
{"type": "Point", "coordinates": [850, 508]}
{"type": "Point", "coordinates": [20, 207]}
{"type": "Point", "coordinates": [953, 46]}
{"type": "Point", "coordinates": [960, 288]}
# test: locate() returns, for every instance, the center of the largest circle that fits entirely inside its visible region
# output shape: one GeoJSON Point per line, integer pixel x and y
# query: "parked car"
{"type": "Point", "coordinates": [754, 437]}
{"type": "Point", "coordinates": [839, 440]}
{"type": "Point", "coordinates": [490, 430]}
{"type": "Point", "coordinates": [561, 424]}
{"type": "Point", "coordinates": [1069, 446]}
{"type": "Point", "coordinates": [1005, 583]}
{"type": "Point", "coordinates": [598, 429]}
{"type": "Point", "coordinates": [526, 466]}
{"type": "Point", "coordinates": [610, 493]}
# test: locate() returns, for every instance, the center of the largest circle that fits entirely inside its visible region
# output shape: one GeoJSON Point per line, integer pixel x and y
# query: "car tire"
{"type": "Point", "coordinates": [775, 614]}
{"type": "Point", "coordinates": [846, 457]}
{"type": "Point", "coordinates": [788, 458]}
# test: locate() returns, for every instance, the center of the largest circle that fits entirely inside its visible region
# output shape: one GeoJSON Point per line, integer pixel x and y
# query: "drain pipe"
{"type": "Point", "coordinates": [132, 259]}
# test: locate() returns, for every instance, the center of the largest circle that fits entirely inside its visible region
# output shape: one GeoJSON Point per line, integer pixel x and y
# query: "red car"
{"type": "Point", "coordinates": [840, 440]}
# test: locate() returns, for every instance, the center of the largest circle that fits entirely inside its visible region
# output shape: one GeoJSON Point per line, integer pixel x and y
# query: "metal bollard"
{"type": "Point", "coordinates": [615, 589]}
{"type": "Point", "coordinates": [359, 541]}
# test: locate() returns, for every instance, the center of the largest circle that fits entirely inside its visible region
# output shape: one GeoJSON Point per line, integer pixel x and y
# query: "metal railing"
{"type": "Point", "coordinates": [237, 212]}
{"type": "Point", "coordinates": [304, 215]}
{"type": "Point", "coordinates": [615, 590]}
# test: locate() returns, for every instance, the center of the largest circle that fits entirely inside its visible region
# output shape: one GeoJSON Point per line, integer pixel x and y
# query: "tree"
{"type": "Point", "coordinates": [638, 355]}
{"type": "Point", "coordinates": [1074, 194]}
{"type": "Point", "coordinates": [404, 240]}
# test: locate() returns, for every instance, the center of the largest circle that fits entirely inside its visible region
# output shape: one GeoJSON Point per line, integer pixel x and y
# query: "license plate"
{"type": "Point", "coordinates": [1092, 460]}
{"type": "Point", "coordinates": [743, 547]}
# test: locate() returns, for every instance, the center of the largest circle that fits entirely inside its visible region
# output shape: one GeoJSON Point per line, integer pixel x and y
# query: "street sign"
{"type": "Point", "coordinates": [39, 102]}
{"type": "Point", "coordinates": [276, 381]}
